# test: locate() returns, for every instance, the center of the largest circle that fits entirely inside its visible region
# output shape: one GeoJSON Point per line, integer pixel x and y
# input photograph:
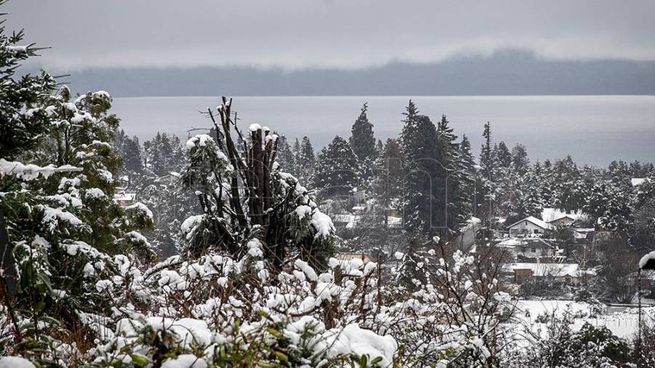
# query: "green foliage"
{"type": "Point", "coordinates": [337, 171]}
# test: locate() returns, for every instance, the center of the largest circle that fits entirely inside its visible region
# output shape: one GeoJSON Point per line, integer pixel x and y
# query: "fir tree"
{"type": "Point", "coordinates": [454, 203]}
{"type": "Point", "coordinates": [379, 148]}
{"type": "Point", "coordinates": [520, 160]}
{"type": "Point", "coordinates": [420, 209]}
{"type": "Point", "coordinates": [22, 123]}
{"type": "Point", "coordinates": [502, 155]}
{"type": "Point", "coordinates": [337, 169]}
{"type": "Point", "coordinates": [362, 139]}
{"type": "Point", "coordinates": [362, 142]}
{"type": "Point", "coordinates": [569, 192]}
{"type": "Point", "coordinates": [305, 160]}
{"type": "Point", "coordinates": [488, 170]}
{"type": "Point", "coordinates": [164, 154]}
{"type": "Point", "coordinates": [63, 221]}
{"type": "Point", "coordinates": [285, 156]}
{"type": "Point", "coordinates": [467, 168]}
{"type": "Point", "coordinates": [130, 151]}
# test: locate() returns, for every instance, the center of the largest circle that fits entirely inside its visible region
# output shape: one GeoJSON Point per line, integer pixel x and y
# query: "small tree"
{"type": "Point", "coordinates": [362, 142]}
{"type": "Point", "coordinates": [337, 170]}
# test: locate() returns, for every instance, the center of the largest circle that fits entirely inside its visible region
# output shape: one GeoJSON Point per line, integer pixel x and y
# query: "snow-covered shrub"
{"type": "Point", "coordinates": [561, 346]}
{"type": "Point", "coordinates": [457, 312]}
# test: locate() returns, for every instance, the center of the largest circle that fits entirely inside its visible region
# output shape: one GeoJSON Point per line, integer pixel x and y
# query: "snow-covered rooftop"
{"type": "Point", "coordinates": [124, 196]}
{"type": "Point", "coordinates": [510, 243]}
{"type": "Point", "coordinates": [637, 181]}
{"type": "Point", "coordinates": [552, 214]}
{"type": "Point", "coordinates": [533, 220]}
{"type": "Point", "coordinates": [647, 262]}
{"type": "Point", "coordinates": [547, 269]}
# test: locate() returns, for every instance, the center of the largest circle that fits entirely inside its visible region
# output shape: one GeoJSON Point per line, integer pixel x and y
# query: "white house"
{"type": "Point", "coordinates": [569, 273]}
{"type": "Point", "coordinates": [638, 181]}
{"type": "Point", "coordinates": [549, 214]}
{"type": "Point", "coordinates": [529, 248]}
{"type": "Point", "coordinates": [529, 226]}
{"type": "Point", "coordinates": [124, 199]}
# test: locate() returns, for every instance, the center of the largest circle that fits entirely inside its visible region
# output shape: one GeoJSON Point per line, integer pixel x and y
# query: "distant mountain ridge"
{"type": "Point", "coordinates": [504, 73]}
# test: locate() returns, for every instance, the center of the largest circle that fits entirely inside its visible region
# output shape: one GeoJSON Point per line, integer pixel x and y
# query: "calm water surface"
{"type": "Point", "coordinates": [593, 129]}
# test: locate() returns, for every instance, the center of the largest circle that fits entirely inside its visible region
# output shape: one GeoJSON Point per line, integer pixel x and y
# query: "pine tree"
{"type": "Point", "coordinates": [609, 205]}
{"type": "Point", "coordinates": [362, 139]}
{"type": "Point", "coordinates": [503, 155]}
{"type": "Point", "coordinates": [486, 154]}
{"type": "Point", "coordinates": [337, 169]}
{"type": "Point", "coordinates": [379, 148]}
{"type": "Point", "coordinates": [164, 154]}
{"type": "Point", "coordinates": [488, 170]}
{"type": "Point", "coordinates": [130, 151]}
{"type": "Point", "coordinates": [305, 160]}
{"type": "Point", "coordinates": [469, 176]}
{"type": "Point", "coordinates": [285, 156]}
{"type": "Point", "coordinates": [455, 204]}
{"type": "Point", "coordinates": [22, 123]}
{"type": "Point", "coordinates": [569, 192]}
{"type": "Point", "coordinates": [362, 142]}
{"type": "Point", "coordinates": [409, 125]}
{"type": "Point", "coordinates": [63, 222]}
{"type": "Point", "coordinates": [520, 160]}
{"type": "Point", "coordinates": [420, 207]}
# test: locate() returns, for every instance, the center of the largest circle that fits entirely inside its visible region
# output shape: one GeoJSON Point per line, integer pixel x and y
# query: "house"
{"type": "Point", "coordinates": [345, 220]}
{"type": "Point", "coordinates": [366, 258]}
{"type": "Point", "coordinates": [124, 199]}
{"type": "Point", "coordinates": [568, 273]}
{"type": "Point", "coordinates": [564, 221]}
{"type": "Point", "coordinates": [528, 227]}
{"type": "Point", "coordinates": [638, 181]}
{"type": "Point", "coordinates": [529, 248]}
{"type": "Point", "coordinates": [584, 233]}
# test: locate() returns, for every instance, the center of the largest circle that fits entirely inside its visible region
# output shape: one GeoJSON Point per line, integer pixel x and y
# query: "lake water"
{"type": "Point", "coordinates": [593, 129]}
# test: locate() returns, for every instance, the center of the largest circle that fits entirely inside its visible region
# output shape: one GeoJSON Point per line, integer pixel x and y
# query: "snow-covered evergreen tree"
{"type": "Point", "coordinates": [337, 170]}
{"type": "Point", "coordinates": [362, 142]}
{"type": "Point", "coordinates": [130, 151]}
{"type": "Point", "coordinates": [502, 155]}
{"type": "Point", "coordinates": [421, 213]}
{"type": "Point", "coordinates": [305, 159]}
{"type": "Point", "coordinates": [63, 225]}
{"type": "Point", "coordinates": [164, 154]}
{"type": "Point", "coordinates": [467, 166]}
{"type": "Point", "coordinates": [285, 156]}
{"type": "Point", "coordinates": [487, 171]}
{"type": "Point", "coordinates": [454, 178]}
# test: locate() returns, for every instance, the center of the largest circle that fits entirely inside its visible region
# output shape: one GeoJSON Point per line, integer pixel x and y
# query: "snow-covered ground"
{"type": "Point", "coordinates": [623, 322]}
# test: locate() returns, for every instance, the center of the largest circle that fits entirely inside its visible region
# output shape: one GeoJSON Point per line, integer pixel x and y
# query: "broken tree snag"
{"type": "Point", "coordinates": [256, 175]}
{"type": "Point", "coordinates": [235, 160]}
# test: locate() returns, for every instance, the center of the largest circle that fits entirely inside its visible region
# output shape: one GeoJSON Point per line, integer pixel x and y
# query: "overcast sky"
{"type": "Point", "coordinates": [294, 34]}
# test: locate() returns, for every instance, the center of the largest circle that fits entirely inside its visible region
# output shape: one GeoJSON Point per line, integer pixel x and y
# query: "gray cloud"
{"type": "Point", "coordinates": [295, 34]}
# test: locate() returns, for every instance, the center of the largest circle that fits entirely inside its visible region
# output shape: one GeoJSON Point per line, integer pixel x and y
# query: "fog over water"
{"type": "Point", "coordinates": [593, 129]}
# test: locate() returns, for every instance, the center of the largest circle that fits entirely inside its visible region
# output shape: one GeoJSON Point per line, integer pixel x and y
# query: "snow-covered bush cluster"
{"type": "Point", "coordinates": [256, 285]}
